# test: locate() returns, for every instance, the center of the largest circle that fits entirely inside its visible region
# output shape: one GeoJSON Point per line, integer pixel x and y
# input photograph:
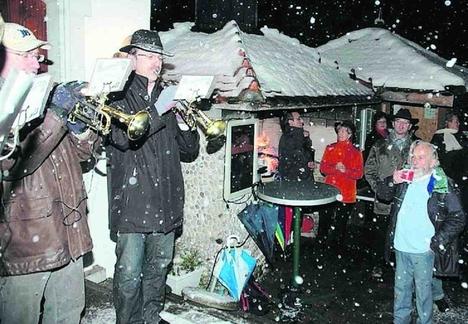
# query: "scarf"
{"type": "Point", "coordinates": [438, 181]}
{"type": "Point", "coordinates": [451, 143]}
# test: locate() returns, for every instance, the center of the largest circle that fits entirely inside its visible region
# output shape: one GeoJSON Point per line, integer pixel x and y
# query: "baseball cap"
{"type": "Point", "coordinates": [21, 39]}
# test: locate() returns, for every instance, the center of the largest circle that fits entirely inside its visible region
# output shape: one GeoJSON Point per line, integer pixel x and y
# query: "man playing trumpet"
{"type": "Point", "coordinates": [43, 222]}
{"type": "Point", "coordinates": [146, 187]}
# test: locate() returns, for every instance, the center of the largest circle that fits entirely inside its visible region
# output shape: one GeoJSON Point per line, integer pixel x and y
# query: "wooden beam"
{"type": "Point", "coordinates": [438, 99]}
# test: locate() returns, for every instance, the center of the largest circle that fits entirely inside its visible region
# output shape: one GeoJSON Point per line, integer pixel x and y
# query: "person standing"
{"type": "Point", "coordinates": [342, 166]}
{"type": "Point", "coordinates": [43, 221]}
{"type": "Point", "coordinates": [386, 156]}
{"type": "Point", "coordinates": [452, 147]}
{"type": "Point", "coordinates": [379, 131]}
{"type": "Point", "coordinates": [426, 220]}
{"type": "Point", "coordinates": [146, 187]}
{"type": "Point", "coordinates": [295, 151]}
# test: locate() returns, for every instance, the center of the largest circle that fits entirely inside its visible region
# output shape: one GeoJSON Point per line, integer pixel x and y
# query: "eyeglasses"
{"type": "Point", "coordinates": [150, 56]}
{"type": "Point", "coordinates": [38, 57]}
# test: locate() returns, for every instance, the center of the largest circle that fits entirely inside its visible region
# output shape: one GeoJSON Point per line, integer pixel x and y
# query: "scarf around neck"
{"type": "Point", "coordinates": [451, 143]}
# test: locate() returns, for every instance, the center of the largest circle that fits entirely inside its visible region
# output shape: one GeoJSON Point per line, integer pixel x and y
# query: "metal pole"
{"type": "Point", "coordinates": [297, 244]}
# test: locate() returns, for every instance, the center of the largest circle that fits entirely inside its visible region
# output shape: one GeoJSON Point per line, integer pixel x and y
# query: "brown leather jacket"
{"type": "Point", "coordinates": [43, 221]}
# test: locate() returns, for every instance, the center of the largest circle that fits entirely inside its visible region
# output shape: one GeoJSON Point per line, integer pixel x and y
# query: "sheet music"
{"type": "Point", "coordinates": [109, 75]}
{"type": "Point", "coordinates": [192, 87]}
{"type": "Point", "coordinates": [33, 105]}
{"type": "Point", "coordinates": [12, 96]}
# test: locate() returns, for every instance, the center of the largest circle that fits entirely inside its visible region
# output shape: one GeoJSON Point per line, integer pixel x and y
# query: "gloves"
{"type": "Point", "coordinates": [65, 97]}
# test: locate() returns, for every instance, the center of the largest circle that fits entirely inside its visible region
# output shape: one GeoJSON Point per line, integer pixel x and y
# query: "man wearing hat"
{"type": "Point", "coordinates": [43, 222]}
{"type": "Point", "coordinates": [146, 187]}
{"type": "Point", "coordinates": [384, 157]}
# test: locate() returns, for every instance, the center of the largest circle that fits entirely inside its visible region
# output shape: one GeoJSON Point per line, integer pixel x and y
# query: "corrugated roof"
{"type": "Point", "coordinates": [279, 64]}
{"type": "Point", "coordinates": [391, 61]}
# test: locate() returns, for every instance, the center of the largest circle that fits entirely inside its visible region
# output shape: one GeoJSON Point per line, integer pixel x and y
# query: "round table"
{"type": "Point", "coordinates": [297, 194]}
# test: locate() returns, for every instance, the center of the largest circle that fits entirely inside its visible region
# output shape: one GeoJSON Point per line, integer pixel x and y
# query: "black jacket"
{"type": "Point", "coordinates": [447, 216]}
{"type": "Point", "coordinates": [371, 138]}
{"type": "Point", "coordinates": [295, 151]}
{"type": "Point", "coordinates": [146, 183]}
{"type": "Point", "coordinates": [455, 163]}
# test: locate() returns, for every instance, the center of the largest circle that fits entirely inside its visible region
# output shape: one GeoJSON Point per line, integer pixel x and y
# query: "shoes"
{"type": "Point", "coordinates": [442, 305]}
{"type": "Point", "coordinates": [377, 272]}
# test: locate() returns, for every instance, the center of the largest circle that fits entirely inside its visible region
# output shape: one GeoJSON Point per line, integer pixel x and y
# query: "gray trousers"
{"type": "Point", "coordinates": [62, 290]}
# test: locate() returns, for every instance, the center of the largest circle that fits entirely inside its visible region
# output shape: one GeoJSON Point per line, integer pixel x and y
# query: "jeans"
{"type": "Point", "coordinates": [140, 276]}
{"type": "Point", "coordinates": [413, 270]}
{"type": "Point", "coordinates": [61, 289]}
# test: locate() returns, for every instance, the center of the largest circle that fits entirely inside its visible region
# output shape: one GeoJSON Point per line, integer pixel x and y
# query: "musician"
{"type": "Point", "coordinates": [43, 222]}
{"type": "Point", "coordinates": [146, 187]}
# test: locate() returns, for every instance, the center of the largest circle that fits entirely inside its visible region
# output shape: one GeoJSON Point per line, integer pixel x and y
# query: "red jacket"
{"type": "Point", "coordinates": [351, 157]}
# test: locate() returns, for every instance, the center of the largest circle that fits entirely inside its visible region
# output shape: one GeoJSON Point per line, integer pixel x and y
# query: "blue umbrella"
{"type": "Point", "coordinates": [234, 269]}
{"type": "Point", "coordinates": [261, 220]}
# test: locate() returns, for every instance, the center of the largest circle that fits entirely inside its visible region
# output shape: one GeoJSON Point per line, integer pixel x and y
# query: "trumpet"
{"type": "Point", "coordinates": [213, 129]}
{"type": "Point", "coordinates": [98, 116]}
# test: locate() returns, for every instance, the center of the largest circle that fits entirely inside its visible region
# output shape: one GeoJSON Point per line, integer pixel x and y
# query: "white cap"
{"type": "Point", "coordinates": [19, 38]}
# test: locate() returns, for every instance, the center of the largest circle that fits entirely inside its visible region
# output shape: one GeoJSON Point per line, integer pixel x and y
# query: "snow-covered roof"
{"type": "Point", "coordinates": [282, 66]}
{"type": "Point", "coordinates": [391, 61]}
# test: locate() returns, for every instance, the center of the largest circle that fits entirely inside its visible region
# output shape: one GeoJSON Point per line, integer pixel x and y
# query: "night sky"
{"type": "Point", "coordinates": [441, 25]}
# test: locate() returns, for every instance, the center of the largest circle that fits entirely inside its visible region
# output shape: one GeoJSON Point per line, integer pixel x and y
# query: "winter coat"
{"type": "Point", "coordinates": [371, 139]}
{"type": "Point", "coordinates": [346, 153]}
{"type": "Point", "coordinates": [295, 152]}
{"type": "Point", "coordinates": [384, 158]}
{"type": "Point", "coordinates": [455, 162]}
{"type": "Point", "coordinates": [446, 214]}
{"type": "Point", "coordinates": [146, 184]}
{"type": "Point", "coordinates": [43, 221]}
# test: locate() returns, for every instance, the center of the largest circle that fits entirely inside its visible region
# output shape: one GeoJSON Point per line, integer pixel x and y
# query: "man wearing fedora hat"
{"type": "Point", "coordinates": [384, 157]}
{"type": "Point", "coordinates": [146, 186]}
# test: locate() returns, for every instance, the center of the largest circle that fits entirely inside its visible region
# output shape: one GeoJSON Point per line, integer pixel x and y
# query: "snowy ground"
{"type": "Point", "coordinates": [177, 314]}
{"type": "Point", "coordinates": [188, 313]}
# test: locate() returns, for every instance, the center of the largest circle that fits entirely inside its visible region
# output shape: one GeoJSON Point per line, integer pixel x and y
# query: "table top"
{"type": "Point", "coordinates": [297, 193]}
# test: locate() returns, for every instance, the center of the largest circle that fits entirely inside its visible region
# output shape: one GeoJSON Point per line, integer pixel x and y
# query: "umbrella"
{"type": "Point", "coordinates": [261, 220]}
{"type": "Point", "coordinates": [234, 269]}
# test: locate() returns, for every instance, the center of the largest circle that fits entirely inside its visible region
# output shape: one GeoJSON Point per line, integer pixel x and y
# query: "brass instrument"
{"type": "Point", "coordinates": [213, 129]}
{"type": "Point", "coordinates": [98, 116]}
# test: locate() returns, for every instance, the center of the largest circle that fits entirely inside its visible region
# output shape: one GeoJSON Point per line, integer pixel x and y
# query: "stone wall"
{"type": "Point", "coordinates": [207, 217]}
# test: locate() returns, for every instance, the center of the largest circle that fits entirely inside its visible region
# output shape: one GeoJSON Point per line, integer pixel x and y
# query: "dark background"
{"type": "Point", "coordinates": [440, 23]}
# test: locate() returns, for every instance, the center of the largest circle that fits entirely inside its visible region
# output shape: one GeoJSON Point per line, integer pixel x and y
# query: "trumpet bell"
{"type": "Point", "coordinates": [215, 129]}
{"type": "Point", "coordinates": [138, 125]}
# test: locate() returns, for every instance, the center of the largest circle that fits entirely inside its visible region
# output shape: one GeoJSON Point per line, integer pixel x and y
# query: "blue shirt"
{"type": "Point", "coordinates": [414, 229]}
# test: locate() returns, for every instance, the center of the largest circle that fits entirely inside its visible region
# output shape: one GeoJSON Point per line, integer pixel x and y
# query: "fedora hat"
{"type": "Point", "coordinates": [404, 113]}
{"type": "Point", "coordinates": [147, 40]}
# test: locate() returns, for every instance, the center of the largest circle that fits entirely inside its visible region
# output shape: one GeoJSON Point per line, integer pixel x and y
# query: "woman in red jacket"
{"type": "Point", "coordinates": [342, 165]}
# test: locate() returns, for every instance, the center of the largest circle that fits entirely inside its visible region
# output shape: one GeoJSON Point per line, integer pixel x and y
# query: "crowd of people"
{"type": "Point", "coordinates": [43, 222]}
{"type": "Point", "coordinates": [412, 234]}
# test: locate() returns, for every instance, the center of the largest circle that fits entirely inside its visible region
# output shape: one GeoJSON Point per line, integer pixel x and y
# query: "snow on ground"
{"type": "Point", "coordinates": [176, 314]}
{"type": "Point", "coordinates": [188, 314]}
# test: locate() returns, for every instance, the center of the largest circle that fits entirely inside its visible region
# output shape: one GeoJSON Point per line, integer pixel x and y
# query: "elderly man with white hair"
{"type": "Point", "coordinates": [426, 221]}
